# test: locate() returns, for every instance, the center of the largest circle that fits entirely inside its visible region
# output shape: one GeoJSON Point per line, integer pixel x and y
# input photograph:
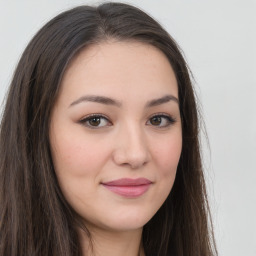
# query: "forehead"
{"type": "Point", "coordinates": [125, 67]}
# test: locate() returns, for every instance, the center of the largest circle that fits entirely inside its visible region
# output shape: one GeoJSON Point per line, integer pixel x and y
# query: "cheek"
{"type": "Point", "coordinates": [166, 158]}
{"type": "Point", "coordinates": [74, 154]}
{"type": "Point", "coordinates": [77, 165]}
{"type": "Point", "coordinates": [167, 155]}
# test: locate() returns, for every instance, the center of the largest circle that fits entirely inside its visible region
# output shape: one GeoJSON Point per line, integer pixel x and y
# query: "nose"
{"type": "Point", "coordinates": [131, 148]}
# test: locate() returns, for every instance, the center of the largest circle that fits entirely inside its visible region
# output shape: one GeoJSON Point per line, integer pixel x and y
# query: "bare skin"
{"type": "Point", "coordinates": [116, 118]}
{"type": "Point", "coordinates": [126, 244]}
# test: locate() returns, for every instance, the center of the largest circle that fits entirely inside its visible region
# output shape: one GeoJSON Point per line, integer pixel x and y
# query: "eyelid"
{"type": "Point", "coordinates": [87, 118]}
{"type": "Point", "coordinates": [171, 120]}
{"type": "Point", "coordinates": [94, 115]}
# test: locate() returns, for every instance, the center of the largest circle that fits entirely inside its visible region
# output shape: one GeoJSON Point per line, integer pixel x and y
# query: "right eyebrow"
{"type": "Point", "coordinates": [97, 99]}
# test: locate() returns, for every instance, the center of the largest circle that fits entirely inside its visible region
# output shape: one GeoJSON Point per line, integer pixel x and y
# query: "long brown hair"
{"type": "Point", "coordinates": [35, 218]}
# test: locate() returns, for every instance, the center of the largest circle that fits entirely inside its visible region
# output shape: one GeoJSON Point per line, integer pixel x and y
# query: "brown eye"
{"type": "Point", "coordinates": [95, 121]}
{"type": "Point", "coordinates": [156, 120]}
{"type": "Point", "coordinates": [161, 121]}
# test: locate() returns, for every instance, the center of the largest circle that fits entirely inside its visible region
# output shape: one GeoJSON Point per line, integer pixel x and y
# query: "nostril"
{"type": "Point", "coordinates": [138, 165]}
{"type": "Point", "coordinates": [126, 159]}
{"type": "Point", "coordinates": [131, 149]}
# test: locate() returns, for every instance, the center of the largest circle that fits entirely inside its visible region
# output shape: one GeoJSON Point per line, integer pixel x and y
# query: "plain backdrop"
{"type": "Point", "coordinates": [219, 41]}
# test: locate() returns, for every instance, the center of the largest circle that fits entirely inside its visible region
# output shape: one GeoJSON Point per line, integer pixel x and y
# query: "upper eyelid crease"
{"type": "Point", "coordinates": [105, 117]}
{"type": "Point", "coordinates": [162, 114]}
{"type": "Point", "coordinates": [110, 101]}
{"type": "Point", "coordinates": [170, 118]}
{"type": "Point", "coordinates": [95, 115]}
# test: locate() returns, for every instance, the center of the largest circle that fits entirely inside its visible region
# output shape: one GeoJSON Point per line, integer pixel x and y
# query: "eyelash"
{"type": "Point", "coordinates": [85, 121]}
{"type": "Point", "coordinates": [170, 120]}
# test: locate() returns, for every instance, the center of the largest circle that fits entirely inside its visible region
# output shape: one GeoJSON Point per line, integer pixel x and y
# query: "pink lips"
{"type": "Point", "coordinates": [128, 187]}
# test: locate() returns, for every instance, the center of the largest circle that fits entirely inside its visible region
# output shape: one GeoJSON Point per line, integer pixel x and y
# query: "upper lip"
{"type": "Point", "coordinates": [128, 182]}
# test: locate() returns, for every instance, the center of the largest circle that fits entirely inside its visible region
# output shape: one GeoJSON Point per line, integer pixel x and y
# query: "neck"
{"type": "Point", "coordinates": [105, 243]}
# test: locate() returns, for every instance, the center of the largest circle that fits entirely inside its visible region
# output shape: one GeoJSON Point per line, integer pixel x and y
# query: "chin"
{"type": "Point", "coordinates": [127, 222]}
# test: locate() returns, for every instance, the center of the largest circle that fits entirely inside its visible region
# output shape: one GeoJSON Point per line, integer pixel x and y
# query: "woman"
{"type": "Point", "coordinates": [99, 142]}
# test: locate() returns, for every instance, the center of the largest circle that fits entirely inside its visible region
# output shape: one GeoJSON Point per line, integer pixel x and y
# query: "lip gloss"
{"type": "Point", "coordinates": [130, 188]}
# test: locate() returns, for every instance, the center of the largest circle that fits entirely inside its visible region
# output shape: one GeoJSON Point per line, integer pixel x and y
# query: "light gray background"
{"type": "Point", "coordinates": [219, 39]}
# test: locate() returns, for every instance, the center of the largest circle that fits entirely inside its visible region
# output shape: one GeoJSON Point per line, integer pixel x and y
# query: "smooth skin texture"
{"type": "Point", "coordinates": [117, 116]}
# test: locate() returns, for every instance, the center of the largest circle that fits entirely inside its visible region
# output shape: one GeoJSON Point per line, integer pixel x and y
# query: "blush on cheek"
{"type": "Point", "coordinates": [168, 157]}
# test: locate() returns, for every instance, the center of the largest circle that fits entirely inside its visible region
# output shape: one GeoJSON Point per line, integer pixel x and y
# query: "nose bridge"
{"type": "Point", "coordinates": [131, 148]}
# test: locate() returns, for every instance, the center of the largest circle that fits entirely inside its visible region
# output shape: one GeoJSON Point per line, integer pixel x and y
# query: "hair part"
{"type": "Point", "coordinates": [35, 218]}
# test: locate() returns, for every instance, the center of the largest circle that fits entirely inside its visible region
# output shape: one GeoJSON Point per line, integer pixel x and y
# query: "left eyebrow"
{"type": "Point", "coordinates": [162, 100]}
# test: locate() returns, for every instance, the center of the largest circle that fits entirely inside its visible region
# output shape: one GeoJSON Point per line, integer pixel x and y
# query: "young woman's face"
{"type": "Point", "coordinates": [116, 134]}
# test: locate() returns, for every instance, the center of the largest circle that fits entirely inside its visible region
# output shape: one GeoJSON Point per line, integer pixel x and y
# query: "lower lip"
{"type": "Point", "coordinates": [128, 191]}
